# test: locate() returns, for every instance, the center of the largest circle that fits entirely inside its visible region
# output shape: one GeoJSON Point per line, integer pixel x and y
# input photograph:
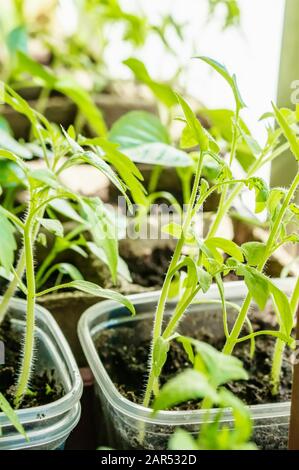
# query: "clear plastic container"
{"type": "Point", "coordinates": [120, 420]}
{"type": "Point", "coordinates": [47, 426]}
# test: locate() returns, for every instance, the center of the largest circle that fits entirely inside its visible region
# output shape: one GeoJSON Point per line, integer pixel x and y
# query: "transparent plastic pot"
{"type": "Point", "coordinates": [47, 426]}
{"type": "Point", "coordinates": [120, 420]}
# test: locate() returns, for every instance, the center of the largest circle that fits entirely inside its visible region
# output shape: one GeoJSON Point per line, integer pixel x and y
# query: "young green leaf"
{"type": "Point", "coordinates": [145, 140]}
{"type": "Point", "coordinates": [188, 385]}
{"type": "Point", "coordinates": [44, 176]}
{"type": "Point", "coordinates": [204, 279]}
{"type": "Point", "coordinates": [289, 133]}
{"type": "Point", "coordinates": [103, 230]}
{"type": "Point", "coordinates": [65, 208]}
{"type": "Point", "coordinates": [253, 252]}
{"type": "Point", "coordinates": [182, 440]}
{"type": "Point", "coordinates": [161, 91]}
{"type": "Point", "coordinates": [52, 225]}
{"type": "Point", "coordinates": [218, 367]}
{"type": "Point", "coordinates": [137, 128]}
{"type": "Point", "coordinates": [122, 267]}
{"type": "Point", "coordinates": [228, 246]}
{"type": "Point", "coordinates": [242, 418]}
{"type": "Point", "coordinates": [231, 80]}
{"type": "Point", "coordinates": [7, 142]}
{"type": "Point", "coordinates": [93, 289]}
{"type": "Point", "coordinates": [8, 244]}
{"type": "Point", "coordinates": [261, 192]}
{"type": "Point", "coordinates": [195, 126]}
{"type": "Point", "coordinates": [68, 87]}
{"type": "Point", "coordinates": [256, 283]}
{"type": "Point", "coordinates": [160, 350]}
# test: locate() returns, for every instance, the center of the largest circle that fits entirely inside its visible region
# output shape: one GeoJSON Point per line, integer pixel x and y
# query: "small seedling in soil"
{"type": "Point", "coordinates": [46, 194]}
{"type": "Point", "coordinates": [205, 384]}
{"type": "Point", "coordinates": [206, 262]}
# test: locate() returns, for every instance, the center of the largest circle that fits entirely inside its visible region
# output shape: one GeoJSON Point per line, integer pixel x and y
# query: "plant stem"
{"type": "Point", "coordinates": [231, 341]}
{"type": "Point", "coordinates": [9, 293]}
{"type": "Point", "coordinates": [13, 285]}
{"type": "Point", "coordinates": [154, 179]}
{"type": "Point", "coordinates": [152, 380]}
{"type": "Point", "coordinates": [280, 345]}
{"type": "Point", "coordinates": [44, 266]}
{"type": "Point", "coordinates": [30, 319]}
{"type": "Point", "coordinates": [276, 365]}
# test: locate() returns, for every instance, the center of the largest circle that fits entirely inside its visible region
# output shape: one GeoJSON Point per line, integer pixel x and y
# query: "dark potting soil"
{"type": "Point", "coordinates": [150, 269]}
{"type": "Point", "coordinates": [124, 352]}
{"type": "Point", "coordinates": [43, 388]}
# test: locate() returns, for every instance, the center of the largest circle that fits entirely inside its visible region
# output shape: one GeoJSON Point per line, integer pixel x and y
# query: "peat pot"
{"type": "Point", "coordinates": [47, 426]}
{"type": "Point", "coordinates": [120, 420]}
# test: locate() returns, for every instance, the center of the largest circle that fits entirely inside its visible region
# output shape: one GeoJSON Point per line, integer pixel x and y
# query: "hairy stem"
{"type": "Point", "coordinates": [231, 341]}
{"type": "Point", "coordinates": [20, 269]}
{"type": "Point", "coordinates": [152, 380]}
{"type": "Point", "coordinates": [27, 358]}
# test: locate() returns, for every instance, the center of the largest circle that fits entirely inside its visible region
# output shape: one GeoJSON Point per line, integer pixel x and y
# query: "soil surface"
{"type": "Point", "coordinates": [124, 352]}
{"type": "Point", "coordinates": [43, 387]}
{"type": "Point", "coordinates": [150, 270]}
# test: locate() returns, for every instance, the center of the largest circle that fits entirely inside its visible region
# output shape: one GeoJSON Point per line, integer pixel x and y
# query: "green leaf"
{"type": "Point", "coordinates": [243, 425]}
{"type": "Point", "coordinates": [231, 80]}
{"type": "Point", "coordinates": [70, 270]}
{"type": "Point", "coordinates": [227, 246]}
{"type": "Point", "coordinates": [261, 192]}
{"type": "Point", "coordinates": [6, 275]}
{"type": "Point", "coordinates": [173, 229]}
{"type": "Point", "coordinates": [126, 169]}
{"type": "Point", "coordinates": [65, 269]}
{"type": "Point", "coordinates": [159, 154]}
{"type": "Point", "coordinates": [187, 140]}
{"type": "Point", "coordinates": [182, 440]}
{"type": "Point", "coordinates": [145, 140]}
{"type": "Point", "coordinates": [12, 416]}
{"type": "Point", "coordinates": [44, 176]}
{"type": "Point", "coordinates": [8, 244]}
{"type": "Point", "coordinates": [289, 133]}
{"type": "Point", "coordinates": [283, 307]}
{"type": "Point", "coordinates": [162, 92]}
{"type": "Point", "coordinates": [37, 70]}
{"type": "Point", "coordinates": [103, 230]}
{"type": "Point", "coordinates": [65, 208]}
{"type": "Point", "coordinates": [85, 104]}
{"type": "Point", "coordinates": [95, 290]}
{"type": "Point", "coordinates": [52, 225]}
{"type": "Point", "coordinates": [256, 283]}
{"type": "Point", "coordinates": [204, 279]}
{"type": "Point", "coordinates": [13, 157]}
{"type": "Point", "coordinates": [218, 367]}
{"type": "Point", "coordinates": [137, 128]}
{"type": "Point", "coordinates": [253, 252]}
{"type": "Point", "coordinates": [7, 142]}
{"type": "Point", "coordinates": [188, 385]}
{"type": "Point", "coordinates": [17, 40]}
{"type": "Point", "coordinates": [122, 267]}
{"type": "Point", "coordinates": [68, 87]}
{"type": "Point", "coordinates": [188, 348]}
{"type": "Point", "coordinates": [11, 175]}
{"type": "Point", "coordinates": [160, 350]}
{"type": "Point", "coordinates": [195, 126]}
{"type": "Point", "coordinates": [294, 208]}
